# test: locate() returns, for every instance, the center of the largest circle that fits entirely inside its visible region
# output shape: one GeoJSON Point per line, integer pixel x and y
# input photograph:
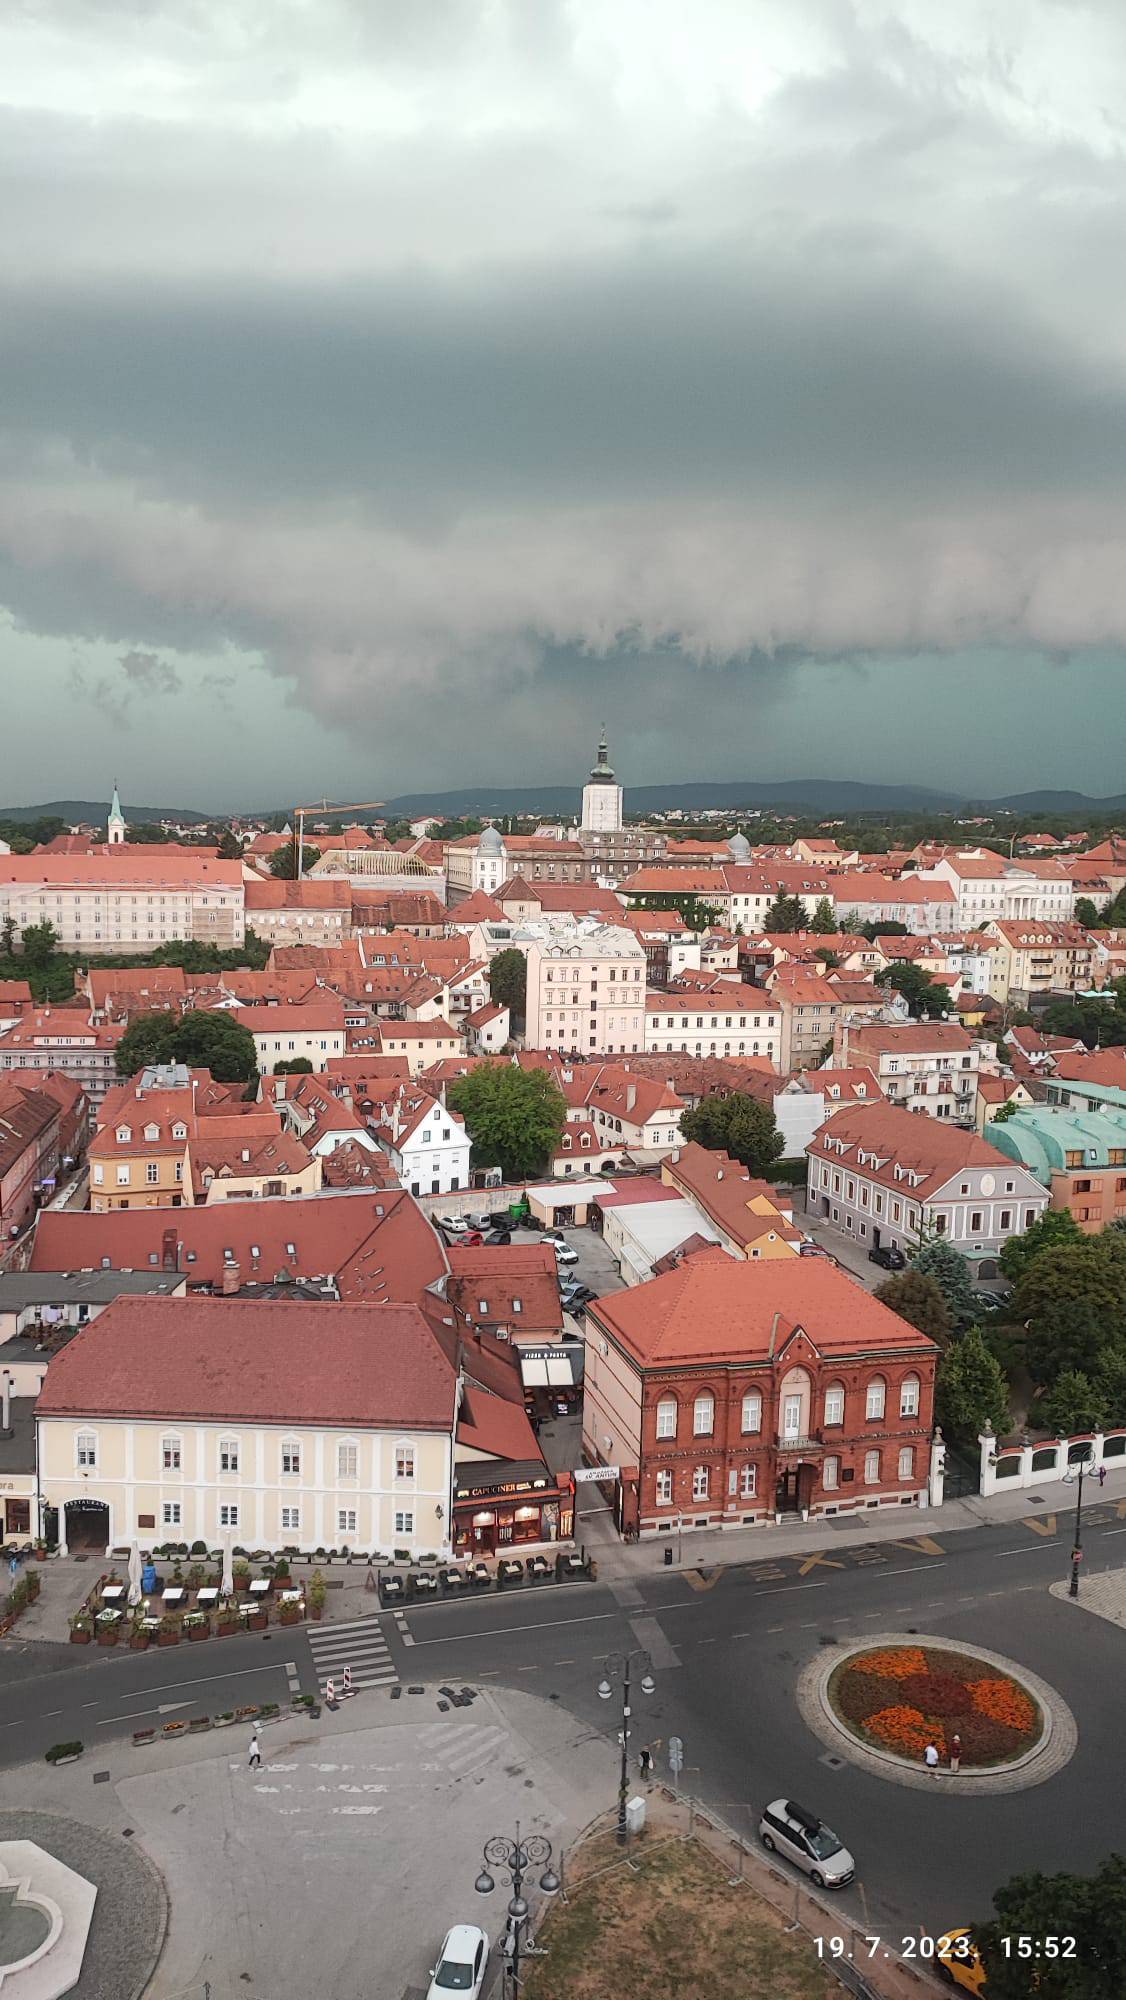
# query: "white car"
{"type": "Point", "coordinates": [787, 1828]}
{"type": "Point", "coordinates": [553, 1239]}
{"type": "Point", "coordinates": [461, 1964]}
{"type": "Point", "coordinates": [565, 1255]}
{"type": "Point", "coordinates": [454, 1225]}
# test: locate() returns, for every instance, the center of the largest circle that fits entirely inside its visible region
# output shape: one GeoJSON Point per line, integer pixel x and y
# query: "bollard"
{"type": "Point", "coordinates": [668, 1555]}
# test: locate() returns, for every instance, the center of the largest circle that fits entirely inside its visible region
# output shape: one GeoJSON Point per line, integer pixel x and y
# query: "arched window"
{"type": "Point", "coordinates": [170, 1453]}
{"type": "Point", "coordinates": [793, 1404]}
{"type": "Point", "coordinates": [291, 1455]}
{"type": "Point", "coordinates": [703, 1415]}
{"type": "Point", "coordinates": [751, 1419]}
{"type": "Point", "coordinates": [876, 1400]}
{"type": "Point", "coordinates": [909, 1396]}
{"type": "Point", "coordinates": [666, 1417]}
{"type": "Point", "coordinates": [834, 1403]}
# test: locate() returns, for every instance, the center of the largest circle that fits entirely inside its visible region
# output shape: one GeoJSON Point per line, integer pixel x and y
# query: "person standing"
{"type": "Point", "coordinates": [930, 1757]}
{"type": "Point", "coordinates": [1102, 1475]}
{"type": "Point", "coordinates": [646, 1762]}
{"type": "Point", "coordinates": [255, 1752]}
{"type": "Point", "coordinates": [955, 1755]}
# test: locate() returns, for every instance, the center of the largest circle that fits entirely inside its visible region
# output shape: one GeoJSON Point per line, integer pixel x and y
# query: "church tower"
{"type": "Point", "coordinates": [115, 826]}
{"type": "Point", "coordinates": [602, 797]}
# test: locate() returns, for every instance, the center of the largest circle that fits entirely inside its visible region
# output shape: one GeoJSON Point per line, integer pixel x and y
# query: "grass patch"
{"type": "Point", "coordinates": [676, 1930]}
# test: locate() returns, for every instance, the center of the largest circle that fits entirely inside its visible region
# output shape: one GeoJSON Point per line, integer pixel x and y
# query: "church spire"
{"type": "Point", "coordinates": [602, 773]}
{"type": "Point", "coordinates": [115, 828]}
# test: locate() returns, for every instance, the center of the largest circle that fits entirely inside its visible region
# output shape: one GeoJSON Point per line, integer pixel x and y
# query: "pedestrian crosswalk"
{"type": "Point", "coordinates": [357, 1643]}
{"type": "Point", "coordinates": [461, 1747]}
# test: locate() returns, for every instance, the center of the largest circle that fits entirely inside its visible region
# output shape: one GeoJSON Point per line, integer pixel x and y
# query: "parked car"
{"type": "Point", "coordinates": [499, 1236]}
{"type": "Point", "coordinates": [889, 1255]}
{"type": "Point", "coordinates": [959, 1959]}
{"type": "Point", "coordinates": [807, 1249]}
{"type": "Point", "coordinates": [553, 1237]}
{"type": "Point", "coordinates": [454, 1225]}
{"type": "Point", "coordinates": [574, 1294]}
{"type": "Point", "coordinates": [500, 1218]}
{"type": "Point", "coordinates": [480, 1219]}
{"type": "Point", "coordinates": [564, 1253]}
{"type": "Point", "coordinates": [461, 1964]}
{"type": "Point", "coordinates": [788, 1829]}
{"type": "Point", "coordinates": [471, 1239]}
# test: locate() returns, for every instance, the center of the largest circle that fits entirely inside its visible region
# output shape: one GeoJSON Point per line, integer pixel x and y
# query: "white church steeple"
{"type": "Point", "coordinates": [602, 797]}
{"type": "Point", "coordinates": [115, 826]}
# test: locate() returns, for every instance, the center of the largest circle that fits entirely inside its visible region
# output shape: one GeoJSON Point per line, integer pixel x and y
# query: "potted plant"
{"type": "Point", "coordinates": [281, 1570]}
{"type": "Point", "coordinates": [139, 1638]}
{"type": "Point", "coordinates": [169, 1633]}
{"type": "Point", "coordinates": [226, 1623]}
{"type": "Point", "coordinates": [196, 1575]}
{"type": "Point", "coordinates": [224, 1720]}
{"type": "Point", "coordinates": [289, 1614]}
{"type": "Point", "coordinates": [315, 1596]}
{"type": "Point", "coordinates": [108, 1625]}
{"type": "Point", "coordinates": [240, 1573]}
{"type": "Point", "coordinates": [197, 1625]}
{"type": "Point", "coordinates": [64, 1753]}
{"type": "Point", "coordinates": [258, 1619]}
{"type": "Point", "coordinates": [81, 1629]}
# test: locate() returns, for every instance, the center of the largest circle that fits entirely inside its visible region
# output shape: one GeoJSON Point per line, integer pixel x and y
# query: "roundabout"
{"type": "Point", "coordinates": [881, 1704]}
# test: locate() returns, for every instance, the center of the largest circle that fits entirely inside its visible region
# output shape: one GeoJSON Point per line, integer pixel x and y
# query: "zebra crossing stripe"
{"type": "Point", "coordinates": [359, 1646]}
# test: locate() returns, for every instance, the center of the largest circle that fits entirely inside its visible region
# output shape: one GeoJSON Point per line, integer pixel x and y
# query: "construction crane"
{"type": "Point", "coordinates": [322, 806]}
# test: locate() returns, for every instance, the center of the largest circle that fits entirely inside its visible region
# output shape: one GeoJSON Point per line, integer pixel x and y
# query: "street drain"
{"type": "Point", "coordinates": [101, 1777]}
{"type": "Point", "coordinates": [828, 1639]}
{"type": "Point", "coordinates": [834, 1762]}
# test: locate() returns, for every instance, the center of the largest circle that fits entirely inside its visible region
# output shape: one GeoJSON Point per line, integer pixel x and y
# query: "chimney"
{"type": "Point", "coordinates": [232, 1277]}
{"type": "Point", "coordinates": [169, 1251]}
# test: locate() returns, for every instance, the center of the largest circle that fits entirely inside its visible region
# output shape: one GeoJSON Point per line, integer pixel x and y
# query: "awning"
{"type": "Point", "coordinates": [552, 1367]}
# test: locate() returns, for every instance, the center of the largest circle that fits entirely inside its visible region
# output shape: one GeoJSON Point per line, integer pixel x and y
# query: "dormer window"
{"type": "Point", "coordinates": [124, 1134]}
{"type": "Point", "coordinates": [179, 1130]}
{"type": "Point", "coordinates": [152, 1132]}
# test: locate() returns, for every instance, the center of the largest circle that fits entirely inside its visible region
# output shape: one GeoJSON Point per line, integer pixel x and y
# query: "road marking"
{"type": "Point", "coordinates": [908, 1569]}
{"type": "Point", "coordinates": [202, 1680]}
{"type": "Point", "coordinates": [164, 1708]}
{"type": "Point", "coordinates": [543, 1625]}
{"type": "Point", "coordinates": [1114, 1531]}
{"type": "Point", "coordinates": [1029, 1549]}
{"type": "Point", "coordinates": [1041, 1524]}
{"type": "Point", "coordinates": [818, 1561]}
{"type": "Point", "coordinates": [555, 1663]}
{"type": "Point", "coordinates": [925, 1545]}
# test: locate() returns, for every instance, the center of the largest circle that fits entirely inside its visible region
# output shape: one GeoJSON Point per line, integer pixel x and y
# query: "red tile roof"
{"type": "Point", "coordinates": [262, 1361]}
{"type": "Point", "coordinates": [889, 1136]}
{"type": "Point", "coordinates": [497, 1274]}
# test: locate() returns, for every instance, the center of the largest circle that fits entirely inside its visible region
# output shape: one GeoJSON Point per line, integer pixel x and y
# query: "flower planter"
{"type": "Point", "coordinates": [139, 1642]}
{"type": "Point", "coordinates": [197, 1724]}
{"type": "Point", "coordinates": [247, 1713]}
{"type": "Point", "coordinates": [174, 1729]}
{"type": "Point", "coordinates": [71, 1758]}
{"type": "Point", "coordinates": [197, 1632]}
{"type": "Point", "coordinates": [257, 1621]}
{"type": "Point", "coordinates": [316, 1613]}
{"type": "Point", "coordinates": [144, 1736]}
{"type": "Point", "coordinates": [108, 1635]}
{"type": "Point", "coordinates": [226, 1628]}
{"type": "Point", "coordinates": [223, 1721]}
{"type": "Point", "coordinates": [168, 1638]}
{"type": "Point", "coordinates": [79, 1637]}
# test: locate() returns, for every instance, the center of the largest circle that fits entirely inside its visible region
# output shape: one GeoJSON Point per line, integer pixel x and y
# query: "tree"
{"type": "Point", "coordinates": [786, 913]}
{"type": "Point", "coordinates": [1089, 1908]}
{"type": "Point", "coordinates": [939, 1260]}
{"type": "Point", "coordinates": [514, 1117]}
{"type": "Point", "coordinates": [917, 1298]}
{"type": "Point", "coordinates": [917, 987]}
{"type": "Point", "coordinates": [1086, 913]}
{"type": "Point", "coordinates": [40, 943]}
{"type": "Point", "coordinates": [828, 958]}
{"type": "Point", "coordinates": [230, 846]}
{"type": "Point", "coordinates": [738, 1125]}
{"type": "Point", "coordinates": [283, 864]}
{"type": "Point", "coordinates": [823, 921]}
{"type": "Point", "coordinates": [296, 1066]}
{"type": "Point", "coordinates": [1056, 1226]}
{"type": "Point", "coordinates": [508, 982]}
{"type": "Point", "coordinates": [970, 1390]}
{"type": "Point", "coordinates": [1073, 1403]}
{"type": "Point", "coordinates": [8, 936]}
{"type": "Point", "coordinates": [211, 1041]}
{"type": "Point", "coordinates": [1074, 1301]}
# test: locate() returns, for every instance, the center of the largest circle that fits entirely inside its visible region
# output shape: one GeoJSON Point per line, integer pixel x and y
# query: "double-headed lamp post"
{"type": "Point", "coordinates": [513, 1859]}
{"type": "Point", "coordinates": [1074, 1473]}
{"type": "Point", "coordinates": [617, 1668]}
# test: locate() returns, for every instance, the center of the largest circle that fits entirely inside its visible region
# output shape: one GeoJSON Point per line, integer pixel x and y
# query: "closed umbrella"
{"type": "Point", "coordinates": [228, 1569]}
{"type": "Point", "coordinates": [135, 1573]}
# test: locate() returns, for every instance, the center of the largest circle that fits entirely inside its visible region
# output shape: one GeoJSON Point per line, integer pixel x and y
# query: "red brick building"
{"type": "Point", "coordinates": [729, 1392]}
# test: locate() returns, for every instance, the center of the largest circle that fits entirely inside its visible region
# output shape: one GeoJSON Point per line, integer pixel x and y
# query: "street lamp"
{"type": "Point", "coordinates": [1072, 1474]}
{"type": "Point", "coordinates": [618, 1667]}
{"type": "Point", "coordinates": [514, 1859]}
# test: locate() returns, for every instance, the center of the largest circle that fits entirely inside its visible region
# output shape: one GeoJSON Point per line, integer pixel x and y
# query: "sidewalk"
{"type": "Point", "coordinates": [710, 1548]}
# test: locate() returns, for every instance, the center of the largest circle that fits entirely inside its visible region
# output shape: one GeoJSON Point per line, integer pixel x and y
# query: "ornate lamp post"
{"type": "Point", "coordinates": [617, 1667]}
{"type": "Point", "coordinates": [1074, 1476]}
{"type": "Point", "coordinates": [513, 1859]}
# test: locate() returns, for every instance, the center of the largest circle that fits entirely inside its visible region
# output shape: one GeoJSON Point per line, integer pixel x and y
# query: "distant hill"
{"type": "Point", "coordinates": [92, 812]}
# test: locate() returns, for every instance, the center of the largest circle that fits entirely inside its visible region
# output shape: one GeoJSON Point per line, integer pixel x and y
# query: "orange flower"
{"type": "Point", "coordinates": [896, 1664]}
{"type": "Point", "coordinates": [1003, 1701]}
{"type": "Point", "coordinates": [904, 1730]}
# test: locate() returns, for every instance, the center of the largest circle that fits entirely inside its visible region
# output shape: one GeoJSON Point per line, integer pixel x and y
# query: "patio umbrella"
{"type": "Point", "coordinates": [228, 1569]}
{"type": "Point", "coordinates": [135, 1573]}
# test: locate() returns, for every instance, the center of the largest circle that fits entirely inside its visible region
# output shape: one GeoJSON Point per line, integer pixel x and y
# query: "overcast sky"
{"type": "Point", "coordinates": [391, 390]}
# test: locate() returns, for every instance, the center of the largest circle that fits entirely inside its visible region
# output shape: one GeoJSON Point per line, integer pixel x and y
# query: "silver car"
{"type": "Point", "coordinates": [788, 1829]}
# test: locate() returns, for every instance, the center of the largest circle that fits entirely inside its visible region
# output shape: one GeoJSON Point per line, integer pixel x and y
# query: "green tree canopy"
{"type": "Point", "coordinates": [40, 943]}
{"type": "Point", "coordinates": [919, 990]}
{"type": "Point", "coordinates": [283, 864]}
{"type": "Point", "coordinates": [1055, 1227]}
{"type": "Point", "coordinates": [1074, 1301]}
{"type": "Point", "coordinates": [823, 921]}
{"type": "Point", "coordinates": [786, 913]}
{"type": "Point", "coordinates": [917, 1298]}
{"type": "Point", "coordinates": [296, 1066]}
{"type": "Point", "coordinates": [211, 1041]}
{"type": "Point", "coordinates": [1086, 913]}
{"type": "Point", "coordinates": [970, 1391]}
{"type": "Point", "coordinates": [1073, 1403]}
{"type": "Point", "coordinates": [738, 1125]}
{"type": "Point", "coordinates": [230, 846]}
{"type": "Point", "coordinates": [514, 1117]}
{"type": "Point", "coordinates": [1089, 1908]}
{"type": "Point", "coordinates": [939, 1260]}
{"type": "Point", "coordinates": [508, 982]}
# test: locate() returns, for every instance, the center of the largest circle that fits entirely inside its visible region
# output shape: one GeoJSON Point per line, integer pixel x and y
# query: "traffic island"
{"type": "Point", "coordinates": [922, 1712]}
{"type": "Point", "coordinates": [669, 1919]}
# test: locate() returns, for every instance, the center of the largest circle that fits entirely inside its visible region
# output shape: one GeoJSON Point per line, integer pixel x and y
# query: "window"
{"type": "Point", "coordinates": [791, 1416]}
{"type": "Point", "coordinates": [906, 1462]}
{"type": "Point", "coordinates": [703, 1416]}
{"type": "Point", "coordinates": [404, 1523]}
{"type": "Point", "coordinates": [291, 1455]}
{"type": "Point", "coordinates": [975, 1221]}
{"type": "Point", "coordinates": [876, 1398]}
{"type": "Point", "coordinates": [347, 1460]}
{"type": "Point", "coordinates": [834, 1403]}
{"type": "Point", "coordinates": [123, 1176]}
{"type": "Point", "coordinates": [871, 1468]}
{"type": "Point", "coordinates": [346, 1520]}
{"type": "Point", "coordinates": [228, 1514]}
{"type": "Point", "coordinates": [752, 1411]}
{"type": "Point", "coordinates": [664, 1489]}
{"type": "Point", "coordinates": [404, 1461]}
{"type": "Point", "coordinates": [1006, 1218]}
{"type": "Point", "coordinates": [170, 1513]}
{"type": "Point", "coordinates": [170, 1454]}
{"type": "Point", "coordinates": [831, 1474]}
{"type": "Point", "coordinates": [228, 1454]}
{"type": "Point", "coordinates": [291, 1519]}
{"type": "Point", "coordinates": [152, 1173]}
{"type": "Point", "coordinates": [909, 1396]}
{"type": "Point", "coordinates": [99, 1174]}
{"type": "Point", "coordinates": [748, 1482]}
{"type": "Point", "coordinates": [666, 1417]}
{"type": "Point", "coordinates": [700, 1483]}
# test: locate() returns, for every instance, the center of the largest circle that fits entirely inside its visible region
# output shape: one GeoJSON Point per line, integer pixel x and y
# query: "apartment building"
{"type": "Point", "coordinates": [64, 1039]}
{"type": "Point", "coordinates": [988, 886]}
{"type": "Point", "coordinates": [285, 1034]}
{"type": "Point", "coordinates": [810, 1004]}
{"type": "Point", "coordinates": [1079, 1155]}
{"type": "Point", "coordinates": [585, 987]}
{"type": "Point", "coordinates": [1027, 959]}
{"type": "Point", "coordinates": [731, 1020]}
{"type": "Point", "coordinates": [125, 898]}
{"type": "Point", "coordinates": [316, 910]}
{"type": "Point", "coordinates": [929, 1066]}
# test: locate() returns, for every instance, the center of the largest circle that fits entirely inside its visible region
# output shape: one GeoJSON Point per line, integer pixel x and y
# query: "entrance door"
{"type": "Point", "coordinates": [485, 1535]}
{"type": "Point", "coordinates": [787, 1501]}
{"type": "Point", "coordinates": [87, 1525]}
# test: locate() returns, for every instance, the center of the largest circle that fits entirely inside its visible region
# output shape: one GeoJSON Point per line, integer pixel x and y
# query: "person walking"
{"type": "Point", "coordinates": [930, 1757]}
{"type": "Point", "coordinates": [646, 1762]}
{"type": "Point", "coordinates": [1102, 1475]}
{"type": "Point", "coordinates": [955, 1755]}
{"type": "Point", "coordinates": [255, 1752]}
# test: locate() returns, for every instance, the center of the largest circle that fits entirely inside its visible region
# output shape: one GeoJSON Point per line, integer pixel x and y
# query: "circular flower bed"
{"type": "Point", "coordinates": [900, 1698]}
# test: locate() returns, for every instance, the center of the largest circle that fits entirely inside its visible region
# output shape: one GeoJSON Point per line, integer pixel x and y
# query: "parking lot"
{"type": "Point", "coordinates": [596, 1267]}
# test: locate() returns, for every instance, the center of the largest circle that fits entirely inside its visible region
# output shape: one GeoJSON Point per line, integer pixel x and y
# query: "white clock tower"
{"type": "Point", "coordinates": [602, 797]}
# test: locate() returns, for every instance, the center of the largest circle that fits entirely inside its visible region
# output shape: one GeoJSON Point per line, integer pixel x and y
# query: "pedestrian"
{"type": "Point", "coordinates": [955, 1755]}
{"type": "Point", "coordinates": [646, 1762]}
{"type": "Point", "coordinates": [1102, 1475]}
{"type": "Point", "coordinates": [255, 1752]}
{"type": "Point", "coordinates": [930, 1757]}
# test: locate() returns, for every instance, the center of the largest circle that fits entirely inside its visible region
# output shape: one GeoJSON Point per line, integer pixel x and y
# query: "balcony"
{"type": "Point", "coordinates": [799, 1444]}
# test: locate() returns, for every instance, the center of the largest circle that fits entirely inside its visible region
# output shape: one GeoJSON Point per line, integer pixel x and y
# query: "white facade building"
{"type": "Point", "coordinates": [586, 987]}
{"type": "Point", "coordinates": [428, 1144]}
{"type": "Point", "coordinates": [735, 1020]}
{"type": "Point", "coordinates": [988, 885]}
{"type": "Point", "coordinates": [602, 797]}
